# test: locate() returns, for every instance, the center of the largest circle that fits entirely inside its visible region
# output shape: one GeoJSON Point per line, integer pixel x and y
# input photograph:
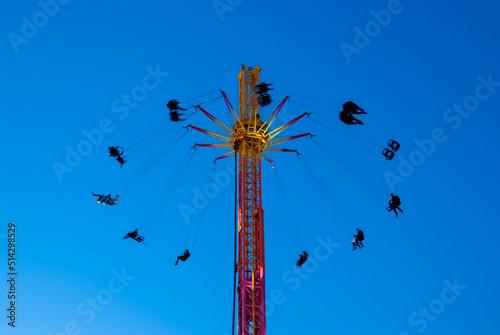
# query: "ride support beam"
{"type": "Point", "coordinates": [248, 144]}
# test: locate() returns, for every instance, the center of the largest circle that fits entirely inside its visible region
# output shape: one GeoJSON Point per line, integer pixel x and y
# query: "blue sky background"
{"type": "Point", "coordinates": [64, 78]}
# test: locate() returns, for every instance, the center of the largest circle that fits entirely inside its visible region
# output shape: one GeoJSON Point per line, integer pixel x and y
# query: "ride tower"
{"type": "Point", "coordinates": [249, 138]}
{"type": "Point", "coordinates": [248, 141]}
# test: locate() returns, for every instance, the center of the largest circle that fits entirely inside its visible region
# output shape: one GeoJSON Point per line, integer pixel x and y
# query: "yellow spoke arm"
{"type": "Point", "coordinates": [286, 125]}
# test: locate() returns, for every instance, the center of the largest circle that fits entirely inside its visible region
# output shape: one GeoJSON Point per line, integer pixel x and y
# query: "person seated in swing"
{"type": "Point", "coordinates": [360, 237]}
{"type": "Point", "coordinates": [173, 105]}
{"type": "Point", "coordinates": [132, 234]}
{"type": "Point", "coordinates": [183, 257]}
{"type": "Point", "coordinates": [117, 152]}
{"type": "Point", "coordinates": [264, 99]}
{"type": "Point", "coordinates": [352, 108]}
{"type": "Point", "coordinates": [394, 204]}
{"type": "Point", "coordinates": [135, 236]}
{"type": "Point", "coordinates": [348, 118]}
{"type": "Point", "coordinates": [174, 116]}
{"type": "Point", "coordinates": [106, 199]}
{"type": "Point", "coordinates": [262, 88]}
{"type": "Point", "coordinates": [302, 259]}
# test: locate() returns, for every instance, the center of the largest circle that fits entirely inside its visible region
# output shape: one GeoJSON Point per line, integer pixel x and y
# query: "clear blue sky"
{"type": "Point", "coordinates": [428, 75]}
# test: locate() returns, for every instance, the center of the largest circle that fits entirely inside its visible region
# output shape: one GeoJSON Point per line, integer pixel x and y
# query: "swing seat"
{"type": "Point", "coordinates": [388, 154]}
{"type": "Point", "coordinates": [393, 145]}
{"type": "Point", "coordinates": [140, 239]}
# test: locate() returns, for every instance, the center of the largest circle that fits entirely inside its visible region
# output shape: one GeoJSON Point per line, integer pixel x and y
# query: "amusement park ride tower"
{"type": "Point", "coordinates": [249, 138]}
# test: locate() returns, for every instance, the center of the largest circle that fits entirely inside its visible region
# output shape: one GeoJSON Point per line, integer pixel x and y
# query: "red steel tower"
{"type": "Point", "coordinates": [249, 138]}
